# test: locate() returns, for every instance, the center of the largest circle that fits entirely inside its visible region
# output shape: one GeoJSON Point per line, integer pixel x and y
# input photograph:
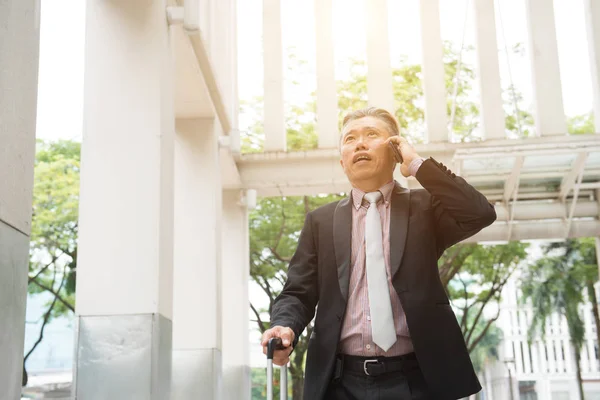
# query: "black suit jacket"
{"type": "Point", "coordinates": [423, 223]}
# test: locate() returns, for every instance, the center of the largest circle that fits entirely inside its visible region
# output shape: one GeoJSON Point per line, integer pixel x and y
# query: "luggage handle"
{"type": "Point", "coordinates": [275, 344]}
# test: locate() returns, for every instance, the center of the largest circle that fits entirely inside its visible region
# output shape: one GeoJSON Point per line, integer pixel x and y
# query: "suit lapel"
{"type": "Point", "coordinates": [342, 236]}
{"type": "Point", "coordinates": [398, 226]}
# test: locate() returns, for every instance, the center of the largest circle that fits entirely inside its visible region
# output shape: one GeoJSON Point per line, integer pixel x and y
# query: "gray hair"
{"type": "Point", "coordinates": [379, 113]}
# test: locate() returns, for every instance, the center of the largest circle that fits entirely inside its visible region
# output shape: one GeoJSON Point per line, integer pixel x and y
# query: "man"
{"type": "Point", "coordinates": [384, 328]}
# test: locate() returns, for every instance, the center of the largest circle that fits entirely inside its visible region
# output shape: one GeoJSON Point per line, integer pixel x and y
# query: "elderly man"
{"type": "Point", "coordinates": [384, 328]}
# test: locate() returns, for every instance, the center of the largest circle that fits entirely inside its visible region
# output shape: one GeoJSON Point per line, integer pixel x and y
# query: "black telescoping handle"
{"type": "Point", "coordinates": [274, 344]}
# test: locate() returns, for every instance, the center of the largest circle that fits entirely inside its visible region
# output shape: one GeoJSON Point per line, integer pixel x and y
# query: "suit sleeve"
{"type": "Point", "coordinates": [295, 305]}
{"type": "Point", "coordinates": [460, 210]}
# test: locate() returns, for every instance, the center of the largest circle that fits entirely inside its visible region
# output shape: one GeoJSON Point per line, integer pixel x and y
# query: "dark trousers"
{"type": "Point", "coordinates": [407, 384]}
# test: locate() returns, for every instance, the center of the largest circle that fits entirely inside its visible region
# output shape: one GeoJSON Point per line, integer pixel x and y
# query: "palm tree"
{"type": "Point", "coordinates": [556, 283]}
{"type": "Point", "coordinates": [581, 253]}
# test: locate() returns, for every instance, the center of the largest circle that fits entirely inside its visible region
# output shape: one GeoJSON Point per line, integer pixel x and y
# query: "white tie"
{"type": "Point", "coordinates": [382, 320]}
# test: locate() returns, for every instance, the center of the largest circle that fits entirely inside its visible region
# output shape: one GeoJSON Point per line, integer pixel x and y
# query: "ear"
{"type": "Point", "coordinates": [342, 163]}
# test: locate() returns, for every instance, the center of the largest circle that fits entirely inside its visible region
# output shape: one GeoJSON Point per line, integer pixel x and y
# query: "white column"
{"type": "Point", "coordinates": [327, 108]}
{"type": "Point", "coordinates": [592, 19]}
{"type": "Point", "coordinates": [233, 77]}
{"type": "Point", "coordinates": [380, 92]}
{"type": "Point", "coordinates": [434, 86]}
{"type": "Point", "coordinates": [197, 276]}
{"type": "Point", "coordinates": [545, 72]}
{"type": "Point", "coordinates": [274, 117]}
{"type": "Point", "coordinates": [235, 301]}
{"type": "Point", "coordinates": [19, 45]}
{"type": "Point", "coordinates": [125, 254]}
{"type": "Point", "coordinates": [488, 70]}
{"type": "Point", "coordinates": [223, 55]}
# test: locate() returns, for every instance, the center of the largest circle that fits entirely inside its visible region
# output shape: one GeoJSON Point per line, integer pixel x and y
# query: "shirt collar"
{"type": "Point", "coordinates": [386, 191]}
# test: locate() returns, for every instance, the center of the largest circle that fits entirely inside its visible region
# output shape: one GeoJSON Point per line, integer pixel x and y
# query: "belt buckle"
{"type": "Point", "coordinates": [366, 363]}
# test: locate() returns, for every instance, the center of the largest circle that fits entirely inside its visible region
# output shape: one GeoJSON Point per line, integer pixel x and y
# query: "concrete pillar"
{"type": "Point", "coordinates": [434, 86]}
{"type": "Point", "coordinates": [232, 87]}
{"type": "Point", "coordinates": [545, 72]}
{"type": "Point", "coordinates": [125, 254]}
{"type": "Point", "coordinates": [592, 19]}
{"type": "Point", "coordinates": [488, 70]}
{"type": "Point", "coordinates": [380, 92]}
{"type": "Point", "coordinates": [274, 117]}
{"type": "Point", "coordinates": [19, 48]}
{"type": "Point", "coordinates": [235, 302]}
{"type": "Point", "coordinates": [327, 107]}
{"type": "Point", "coordinates": [223, 55]}
{"type": "Point", "coordinates": [197, 275]}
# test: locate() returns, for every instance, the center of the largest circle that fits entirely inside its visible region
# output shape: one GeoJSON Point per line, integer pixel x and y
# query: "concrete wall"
{"type": "Point", "coordinates": [19, 44]}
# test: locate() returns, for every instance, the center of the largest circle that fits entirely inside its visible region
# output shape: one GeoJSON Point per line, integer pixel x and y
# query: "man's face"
{"type": "Point", "coordinates": [364, 153]}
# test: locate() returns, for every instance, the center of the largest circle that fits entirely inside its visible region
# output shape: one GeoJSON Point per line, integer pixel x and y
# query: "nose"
{"type": "Point", "coordinates": [361, 144]}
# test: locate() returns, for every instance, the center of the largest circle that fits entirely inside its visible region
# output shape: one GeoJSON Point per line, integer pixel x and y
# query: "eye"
{"type": "Point", "coordinates": [372, 134]}
{"type": "Point", "coordinates": [348, 138]}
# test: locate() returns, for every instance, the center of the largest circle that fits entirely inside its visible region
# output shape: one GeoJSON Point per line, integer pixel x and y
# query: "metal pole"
{"type": "Point", "coordinates": [270, 379]}
{"type": "Point", "coordinates": [510, 385]}
{"type": "Point", "coordinates": [283, 383]}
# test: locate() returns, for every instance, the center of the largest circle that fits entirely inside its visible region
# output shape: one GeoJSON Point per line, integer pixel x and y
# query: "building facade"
{"type": "Point", "coordinates": [543, 369]}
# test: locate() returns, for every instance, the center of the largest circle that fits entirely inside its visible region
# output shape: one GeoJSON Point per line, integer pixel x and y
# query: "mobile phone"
{"type": "Point", "coordinates": [396, 152]}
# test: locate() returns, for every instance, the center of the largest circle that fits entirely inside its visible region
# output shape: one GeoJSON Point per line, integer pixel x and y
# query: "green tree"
{"type": "Point", "coordinates": [53, 245]}
{"type": "Point", "coordinates": [581, 124]}
{"type": "Point", "coordinates": [274, 230]}
{"type": "Point", "coordinates": [556, 283]}
{"type": "Point", "coordinates": [486, 351]}
{"type": "Point", "coordinates": [475, 275]}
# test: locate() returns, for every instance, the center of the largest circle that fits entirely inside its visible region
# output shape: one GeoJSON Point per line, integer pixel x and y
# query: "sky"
{"type": "Point", "coordinates": [60, 92]}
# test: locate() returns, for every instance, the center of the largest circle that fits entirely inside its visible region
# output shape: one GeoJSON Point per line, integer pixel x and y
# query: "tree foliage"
{"type": "Point", "coordinates": [274, 231]}
{"type": "Point", "coordinates": [556, 283]}
{"type": "Point", "coordinates": [581, 124]}
{"type": "Point", "coordinates": [480, 273]}
{"type": "Point", "coordinates": [53, 242]}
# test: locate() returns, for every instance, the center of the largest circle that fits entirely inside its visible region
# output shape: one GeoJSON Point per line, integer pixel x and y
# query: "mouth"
{"type": "Point", "coordinates": [361, 158]}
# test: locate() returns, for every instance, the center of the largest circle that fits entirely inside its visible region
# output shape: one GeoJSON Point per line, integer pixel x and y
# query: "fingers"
{"type": "Point", "coordinates": [282, 357]}
{"type": "Point", "coordinates": [268, 334]}
{"type": "Point", "coordinates": [287, 336]}
{"type": "Point", "coordinates": [397, 139]}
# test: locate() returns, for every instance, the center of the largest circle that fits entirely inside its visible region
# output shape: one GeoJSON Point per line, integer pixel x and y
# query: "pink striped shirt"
{"type": "Point", "coordinates": [356, 338]}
